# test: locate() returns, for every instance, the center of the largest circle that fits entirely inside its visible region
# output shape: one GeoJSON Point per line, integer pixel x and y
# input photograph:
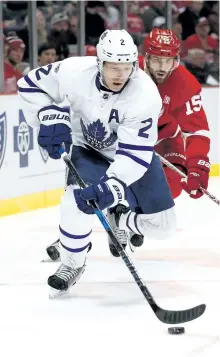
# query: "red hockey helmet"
{"type": "Point", "coordinates": [161, 42]}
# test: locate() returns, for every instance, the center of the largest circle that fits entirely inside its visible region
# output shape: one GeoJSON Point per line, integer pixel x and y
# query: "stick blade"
{"type": "Point", "coordinates": [178, 317]}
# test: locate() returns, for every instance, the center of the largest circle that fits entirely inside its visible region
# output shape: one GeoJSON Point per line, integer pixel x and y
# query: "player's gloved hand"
{"type": "Point", "coordinates": [198, 168]}
{"type": "Point", "coordinates": [107, 194]}
{"type": "Point", "coordinates": [55, 129]}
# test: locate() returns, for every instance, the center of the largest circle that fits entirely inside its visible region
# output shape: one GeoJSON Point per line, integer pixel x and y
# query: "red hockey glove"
{"type": "Point", "coordinates": [198, 168]}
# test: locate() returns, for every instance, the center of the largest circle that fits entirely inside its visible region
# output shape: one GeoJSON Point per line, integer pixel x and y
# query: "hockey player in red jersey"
{"type": "Point", "coordinates": [183, 128]}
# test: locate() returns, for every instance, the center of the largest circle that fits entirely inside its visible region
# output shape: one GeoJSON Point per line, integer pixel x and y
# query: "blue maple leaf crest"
{"type": "Point", "coordinates": [95, 134]}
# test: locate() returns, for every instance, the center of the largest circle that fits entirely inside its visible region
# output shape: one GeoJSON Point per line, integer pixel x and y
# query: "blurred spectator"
{"type": "Point", "coordinates": [41, 27]}
{"type": "Point", "coordinates": [189, 17]}
{"type": "Point", "coordinates": [207, 8]}
{"type": "Point", "coordinates": [46, 55]}
{"type": "Point", "coordinates": [72, 45]}
{"type": "Point", "coordinates": [157, 8]}
{"type": "Point", "coordinates": [15, 10]}
{"type": "Point", "coordinates": [196, 64]}
{"type": "Point", "coordinates": [60, 35]}
{"type": "Point", "coordinates": [90, 50]}
{"type": "Point", "coordinates": [178, 29]}
{"type": "Point", "coordinates": [23, 32]}
{"type": "Point", "coordinates": [94, 23]}
{"type": "Point", "coordinates": [135, 23]}
{"type": "Point", "coordinates": [213, 19]}
{"type": "Point", "coordinates": [159, 22]}
{"type": "Point", "coordinates": [14, 52]}
{"type": "Point", "coordinates": [181, 5]}
{"type": "Point", "coordinates": [5, 46]}
{"type": "Point", "coordinates": [202, 39]}
{"type": "Point", "coordinates": [57, 24]}
{"type": "Point", "coordinates": [112, 20]}
{"type": "Point", "coordinates": [69, 8]}
{"type": "Point", "coordinates": [73, 30]}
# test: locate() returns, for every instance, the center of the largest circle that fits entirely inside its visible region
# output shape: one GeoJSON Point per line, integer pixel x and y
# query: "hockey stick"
{"type": "Point", "coordinates": [165, 316]}
{"type": "Point", "coordinates": [174, 168]}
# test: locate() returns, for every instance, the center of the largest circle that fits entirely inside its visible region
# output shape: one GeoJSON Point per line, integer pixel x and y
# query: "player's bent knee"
{"type": "Point", "coordinates": [161, 225]}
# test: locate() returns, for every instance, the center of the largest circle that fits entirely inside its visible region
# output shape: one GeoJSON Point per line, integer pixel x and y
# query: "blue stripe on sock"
{"type": "Point", "coordinates": [78, 250]}
{"type": "Point", "coordinates": [73, 236]}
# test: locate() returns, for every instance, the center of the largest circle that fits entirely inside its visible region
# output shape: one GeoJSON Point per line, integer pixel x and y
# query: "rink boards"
{"type": "Point", "coordinates": [30, 180]}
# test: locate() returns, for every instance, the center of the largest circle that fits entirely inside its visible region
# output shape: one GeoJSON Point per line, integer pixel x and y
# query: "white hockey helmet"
{"type": "Point", "coordinates": [116, 46]}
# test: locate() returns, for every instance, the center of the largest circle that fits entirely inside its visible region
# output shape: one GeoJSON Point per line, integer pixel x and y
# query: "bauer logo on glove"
{"type": "Point", "coordinates": [204, 163]}
{"type": "Point", "coordinates": [56, 116]}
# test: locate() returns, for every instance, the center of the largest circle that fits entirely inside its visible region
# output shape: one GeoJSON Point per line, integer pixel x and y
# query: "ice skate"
{"type": "Point", "coordinates": [64, 278]}
{"type": "Point", "coordinates": [113, 215]}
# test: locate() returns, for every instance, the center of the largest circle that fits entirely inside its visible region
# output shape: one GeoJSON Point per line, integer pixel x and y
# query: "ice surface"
{"type": "Point", "coordinates": [105, 314]}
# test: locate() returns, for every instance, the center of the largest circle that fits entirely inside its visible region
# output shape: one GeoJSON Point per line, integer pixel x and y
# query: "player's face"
{"type": "Point", "coordinates": [159, 67]}
{"type": "Point", "coordinates": [115, 74]}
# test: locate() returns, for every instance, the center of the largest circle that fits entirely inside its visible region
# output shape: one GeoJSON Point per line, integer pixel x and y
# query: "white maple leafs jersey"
{"type": "Point", "coordinates": [121, 126]}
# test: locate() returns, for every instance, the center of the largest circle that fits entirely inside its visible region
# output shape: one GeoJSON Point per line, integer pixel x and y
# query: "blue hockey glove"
{"type": "Point", "coordinates": [107, 194]}
{"type": "Point", "coordinates": [55, 129]}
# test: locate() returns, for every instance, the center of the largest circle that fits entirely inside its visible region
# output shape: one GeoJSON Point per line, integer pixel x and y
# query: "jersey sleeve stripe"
{"type": "Point", "coordinates": [31, 90]}
{"type": "Point", "coordinates": [134, 158]}
{"type": "Point", "coordinates": [199, 132]}
{"type": "Point", "coordinates": [30, 82]}
{"type": "Point", "coordinates": [55, 107]}
{"type": "Point", "coordinates": [135, 147]}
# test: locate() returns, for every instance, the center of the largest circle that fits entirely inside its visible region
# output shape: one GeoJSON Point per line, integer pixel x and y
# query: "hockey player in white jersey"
{"type": "Point", "coordinates": [110, 134]}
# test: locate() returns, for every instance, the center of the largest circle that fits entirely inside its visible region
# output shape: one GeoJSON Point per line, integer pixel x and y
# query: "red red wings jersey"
{"type": "Point", "coordinates": [181, 96]}
{"type": "Point", "coordinates": [182, 105]}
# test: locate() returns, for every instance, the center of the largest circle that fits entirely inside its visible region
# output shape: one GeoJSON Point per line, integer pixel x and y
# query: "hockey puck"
{"type": "Point", "coordinates": [176, 330]}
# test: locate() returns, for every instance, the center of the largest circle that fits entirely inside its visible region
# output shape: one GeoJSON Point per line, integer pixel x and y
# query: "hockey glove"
{"type": "Point", "coordinates": [198, 175]}
{"type": "Point", "coordinates": [55, 129]}
{"type": "Point", "coordinates": [107, 194]}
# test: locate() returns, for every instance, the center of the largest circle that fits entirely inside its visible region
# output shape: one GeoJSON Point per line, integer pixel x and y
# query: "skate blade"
{"type": "Point", "coordinates": [54, 293]}
{"type": "Point", "coordinates": [49, 260]}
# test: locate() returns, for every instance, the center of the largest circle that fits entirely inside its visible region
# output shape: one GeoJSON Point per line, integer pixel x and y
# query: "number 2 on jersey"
{"type": "Point", "coordinates": [43, 70]}
{"type": "Point", "coordinates": [142, 131]}
{"type": "Point", "coordinates": [194, 104]}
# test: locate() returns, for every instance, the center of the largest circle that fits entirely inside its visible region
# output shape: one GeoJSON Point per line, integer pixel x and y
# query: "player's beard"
{"type": "Point", "coordinates": [158, 80]}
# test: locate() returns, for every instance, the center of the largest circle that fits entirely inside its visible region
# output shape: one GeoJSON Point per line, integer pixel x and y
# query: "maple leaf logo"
{"type": "Point", "coordinates": [95, 134]}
